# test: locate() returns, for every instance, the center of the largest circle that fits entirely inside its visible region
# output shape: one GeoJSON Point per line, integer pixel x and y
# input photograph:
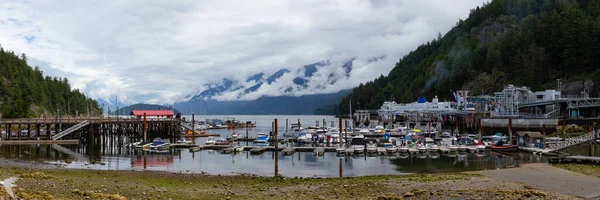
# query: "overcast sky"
{"type": "Point", "coordinates": [160, 51]}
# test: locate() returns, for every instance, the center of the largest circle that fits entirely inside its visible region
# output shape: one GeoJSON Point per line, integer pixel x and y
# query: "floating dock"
{"type": "Point", "coordinates": [575, 159]}
{"type": "Point", "coordinates": [202, 135]}
{"type": "Point", "coordinates": [288, 151]}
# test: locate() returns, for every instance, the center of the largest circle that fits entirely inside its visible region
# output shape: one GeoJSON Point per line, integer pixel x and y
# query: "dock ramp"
{"type": "Point", "coordinates": [70, 130]}
{"type": "Point", "coordinates": [569, 142]}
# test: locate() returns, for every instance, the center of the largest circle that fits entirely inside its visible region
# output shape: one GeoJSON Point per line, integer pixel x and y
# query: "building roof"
{"type": "Point", "coordinates": [152, 112]}
{"type": "Point", "coordinates": [530, 134]}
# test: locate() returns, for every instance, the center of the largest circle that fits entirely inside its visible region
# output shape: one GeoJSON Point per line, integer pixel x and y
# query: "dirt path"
{"type": "Point", "coordinates": [545, 177]}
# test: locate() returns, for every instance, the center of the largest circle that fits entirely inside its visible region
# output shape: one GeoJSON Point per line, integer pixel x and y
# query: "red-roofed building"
{"type": "Point", "coordinates": [152, 113]}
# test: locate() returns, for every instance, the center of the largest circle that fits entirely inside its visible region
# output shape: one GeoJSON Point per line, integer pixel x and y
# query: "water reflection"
{"type": "Point", "coordinates": [304, 164]}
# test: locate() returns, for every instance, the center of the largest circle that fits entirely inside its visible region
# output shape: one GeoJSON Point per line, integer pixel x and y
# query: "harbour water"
{"type": "Point", "coordinates": [300, 164]}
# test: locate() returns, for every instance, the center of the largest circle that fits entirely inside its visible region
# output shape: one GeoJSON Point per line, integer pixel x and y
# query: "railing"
{"type": "Point", "coordinates": [76, 121]}
{"type": "Point", "coordinates": [70, 130]}
{"type": "Point", "coordinates": [569, 142]}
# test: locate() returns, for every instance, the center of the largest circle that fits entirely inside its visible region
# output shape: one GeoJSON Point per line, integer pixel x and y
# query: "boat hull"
{"type": "Point", "coordinates": [507, 148]}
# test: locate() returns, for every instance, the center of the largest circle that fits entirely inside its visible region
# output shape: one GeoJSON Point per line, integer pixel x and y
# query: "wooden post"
{"type": "Point", "coordinates": [286, 125]}
{"type": "Point", "coordinates": [544, 135]}
{"type": "Point", "coordinates": [479, 131]}
{"type": "Point", "coordinates": [340, 125]}
{"type": "Point", "coordinates": [276, 149]}
{"type": "Point", "coordinates": [324, 123]}
{"type": "Point", "coordinates": [595, 138]}
{"type": "Point", "coordinates": [510, 131]}
{"type": "Point", "coordinates": [346, 132]}
{"type": "Point", "coordinates": [299, 125]}
{"type": "Point", "coordinates": [28, 131]}
{"type": "Point", "coordinates": [246, 131]}
{"type": "Point", "coordinates": [145, 139]}
{"type": "Point", "coordinates": [19, 131]}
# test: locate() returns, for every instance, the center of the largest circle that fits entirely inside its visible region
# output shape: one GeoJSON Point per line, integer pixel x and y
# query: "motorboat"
{"type": "Point", "coordinates": [379, 129]}
{"type": "Point", "coordinates": [358, 144]}
{"type": "Point", "coordinates": [447, 139]}
{"type": "Point", "coordinates": [305, 138]}
{"type": "Point", "coordinates": [340, 150]}
{"type": "Point", "coordinates": [158, 143]}
{"type": "Point", "coordinates": [422, 149]}
{"type": "Point", "coordinates": [262, 138]}
{"type": "Point", "coordinates": [452, 148]}
{"type": "Point", "coordinates": [294, 132]}
{"type": "Point", "coordinates": [239, 149]}
{"type": "Point", "coordinates": [504, 148]}
{"type": "Point", "coordinates": [210, 141]}
{"type": "Point", "coordinates": [480, 146]}
{"type": "Point", "coordinates": [403, 149]}
{"type": "Point", "coordinates": [472, 149]}
{"type": "Point", "coordinates": [434, 155]}
{"type": "Point", "coordinates": [364, 130]}
{"type": "Point", "coordinates": [333, 135]}
{"type": "Point", "coordinates": [434, 148]}
{"type": "Point", "coordinates": [422, 155]}
{"type": "Point", "coordinates": [371, 148]}
{"type": "Point", "coordinates": [184, 141]}
{"type": "Point", "coordinates": [500, 147]}
{"type": "Point", "coordinates": [462, 148]}
{"type": "Point", "coordinates": [235, 135]}
{"type": "Point", "coordinates": [221, 141]}
{"type": "Point", "coordinates": [389, 147]}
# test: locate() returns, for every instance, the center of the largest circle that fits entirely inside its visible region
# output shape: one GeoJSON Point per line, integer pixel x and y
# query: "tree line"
{"type": "Point", "coordinates": [522, 42]}
{"type": "Point", "coordinates": [25, 92]}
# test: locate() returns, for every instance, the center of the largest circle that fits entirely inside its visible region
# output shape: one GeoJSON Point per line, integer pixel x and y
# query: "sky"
{"type": "Point", "coordinates": [162, 51]}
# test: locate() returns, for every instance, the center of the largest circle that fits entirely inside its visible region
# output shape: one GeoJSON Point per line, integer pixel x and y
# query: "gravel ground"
{"type": "Point", "coordinates": [36, 183]}
{"type": "Point", "coordinates": [546, 177]}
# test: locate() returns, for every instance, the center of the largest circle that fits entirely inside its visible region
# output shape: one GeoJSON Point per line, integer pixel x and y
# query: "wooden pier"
{"type": "Point", "coordinates": [84, 128]}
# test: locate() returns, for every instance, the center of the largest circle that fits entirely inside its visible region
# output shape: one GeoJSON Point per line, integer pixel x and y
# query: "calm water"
{"type": "Point", "coordinates": [300, 164]}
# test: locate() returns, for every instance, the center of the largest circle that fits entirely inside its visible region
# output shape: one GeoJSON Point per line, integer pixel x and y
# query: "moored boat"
{"type": "Point", "coordinates": [358, 144]}
{"type": "Point", "coordinates": [184, 141]}
{"type": "Point", "coordinates": [262, 138]}
{"type": "Point", "coordinates": [422, 149]}
{"type": "Point", "coordinates": [158, 143]}
{"type": "Point", "coordinates": [221, 141]}
{"type": "Point", "coordinates": [433, 148]}
{"type": "Point", "coordinates": [403, 149]}
{"type": "Point", "coordinates": [504, 148]}
{"type": "Point", "coordinates": [462, 147]}
{"type": "Point", "coordinates": [210, 141]}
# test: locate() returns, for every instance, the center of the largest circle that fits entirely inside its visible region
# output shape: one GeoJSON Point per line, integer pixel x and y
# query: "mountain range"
{"type": "Point", "coordinates": [305, 90]}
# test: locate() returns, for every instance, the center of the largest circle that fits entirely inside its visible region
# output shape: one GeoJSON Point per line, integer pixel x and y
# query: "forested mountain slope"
{"type": "Point", "coordinates": [523, 42]}
{"type": "Point", "coordinates": [26, 92]}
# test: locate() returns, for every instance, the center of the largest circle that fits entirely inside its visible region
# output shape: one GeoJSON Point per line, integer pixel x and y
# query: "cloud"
{"type": "Point", "coordinates": [161, 51]}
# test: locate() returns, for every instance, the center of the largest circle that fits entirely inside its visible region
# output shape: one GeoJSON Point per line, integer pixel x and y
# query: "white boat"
{"type": "Point", "coordinates": [294, 132]}
{"type": "Point", "coordinates": [379, 129]}
{"type": "Point", "coordinates": [262, 138]}
{"type": "Point", "coordinates": [434, 148]}
{"type": "Point", "coordinates": [434, 155]}
{"type": "Point", "coordinates": [158, 143]}
{"type": "Point", "coordinates": [371, 148]}
{"type": "Point", "coordinates": [472, 148]}
{"type": "Point", "coordinates": [184, 141]}
{"type": "Point", "coordinates": [358, 143]}
{"type": "Point", "coordinates": [340, 150]}
{"type": "Point", "coordinates": [334, 135]}
{"type": "Point", "coordinates": [210, 141]}
{"type": "Point", "coordinates": [422, 149]}
{"type": "Point", "coordinates": [364, 130]}
{"type": "Point", "coordinates": [235, 135]}
{"type": "Point", "coordinates": [391, 149]}
{"type": "Point", "coordinates": [452, 148]}
{"type": "Point", "coordinates": [304, 138]}
{"type": "Point", "coordinates": [403, 149]}
{"type": "Point", "coordinates": [480, 147]}
{"type": "Point", "coordinates": [239, 149]}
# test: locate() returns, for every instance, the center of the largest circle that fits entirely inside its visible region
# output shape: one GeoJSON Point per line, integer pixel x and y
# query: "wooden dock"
{"type": "Point", "coordinates": [39, 141]}
{"type": "Point", "coordinates": [381, 151]}
{"type": "Point", "coordinates": [319, 151]}
{"type": "Point", "coordinates": [202, 135]}
{"type": "Point", "coordinates": [88, 128]}
{"type": "Point", "coordinates": [258, 150]}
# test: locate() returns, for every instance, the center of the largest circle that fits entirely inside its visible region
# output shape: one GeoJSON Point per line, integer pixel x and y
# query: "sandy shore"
{"type": "Point", "coordinates": [81, 184]}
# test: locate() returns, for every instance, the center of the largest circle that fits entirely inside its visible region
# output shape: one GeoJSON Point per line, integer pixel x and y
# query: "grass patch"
{"type": "Point", "coordinates": [587, 169]}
